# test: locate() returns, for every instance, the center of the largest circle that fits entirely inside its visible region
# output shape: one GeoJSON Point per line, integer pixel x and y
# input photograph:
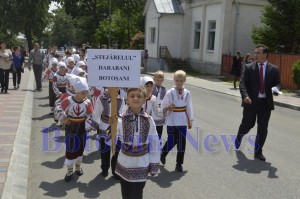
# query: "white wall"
{"type": "Point", "coordinates": [213, 13]}
{"type": "Point", "coordinates": [170, 33]}
{"type": "Point", "coordinates": [196, 16]}
{"type": "Point", "coordinates": [151, 22]}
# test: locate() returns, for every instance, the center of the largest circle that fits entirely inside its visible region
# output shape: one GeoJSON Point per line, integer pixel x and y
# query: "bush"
{"type": "Point", "coordinates": [296, 73]}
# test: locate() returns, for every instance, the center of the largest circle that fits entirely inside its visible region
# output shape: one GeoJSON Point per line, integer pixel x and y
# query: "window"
{"type": "Point", "coordinates": [152, 35]}
{"type": "Point", "coordinates": [197, 35]}
{"type": "Point", "coordinates": [211, 35]}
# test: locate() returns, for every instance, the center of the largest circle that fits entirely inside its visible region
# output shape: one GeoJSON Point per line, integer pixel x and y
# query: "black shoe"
{"type": "Point", "coordinates": [163, 159]}
{"type": "Point", "coordinates": [179, 168]}
{"type": "Point", "coordinates": [79, 172]}
{"type": "Point", "coordinates": [117, 177]}
{"type": "Point", "coordinates": [40, 90]}
{"type": "Point", "coordinates": [104, 173]}
{"type": "Point", "coordinates": [68, 177]}
{"type": "Point", "coordinates": [260, 157]}
{"type": "Point", "coordinates": [237, 144]}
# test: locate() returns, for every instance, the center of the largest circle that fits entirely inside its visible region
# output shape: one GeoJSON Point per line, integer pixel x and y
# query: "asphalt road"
{"type": "Point", "coordinates": [212, 169]}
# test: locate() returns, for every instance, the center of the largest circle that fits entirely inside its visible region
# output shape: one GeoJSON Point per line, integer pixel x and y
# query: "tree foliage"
{"type": "Point", "coordinates": [24, 16]}
{"type": "Point", "coordinates": [281, 25]}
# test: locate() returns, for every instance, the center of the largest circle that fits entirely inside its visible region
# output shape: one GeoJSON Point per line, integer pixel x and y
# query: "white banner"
{"type": "Point", "coordinates": [114, 68]}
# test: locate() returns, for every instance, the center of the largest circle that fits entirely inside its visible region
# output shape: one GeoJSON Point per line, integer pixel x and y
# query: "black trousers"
{"type": "Point", "coordinates": [52, 96]}
{"type": "Point", "coordinates": [176, 136]}
{"type": "Point", "coordinates": [17, 76]}
{"type": "Point", "coordinates": [4, 77]}
{"type": "Point", "coordinates": [38, 70]}
{"type": "Point", "coordinates": [159, 130]}
{"type": "Point", "coordinates": [262, 113]}
{"type": "Point", "coordinates": [132, 190]}
{"type": "Point", "coordinates": [105, 151]}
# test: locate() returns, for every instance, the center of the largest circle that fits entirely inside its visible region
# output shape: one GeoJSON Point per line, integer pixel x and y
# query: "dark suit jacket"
{"type": "Point", "coordinates": [249, 84]}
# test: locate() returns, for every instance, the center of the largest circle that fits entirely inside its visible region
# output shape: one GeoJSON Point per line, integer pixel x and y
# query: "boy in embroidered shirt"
{"type": "Point", "coordinates": [140, 148]}
{"type": "Point", "coordinates": [178, 105]}
{"type": "Point", "coordinates": [102, 115]}
{"type": "Point", "coordinates": [159, 92]}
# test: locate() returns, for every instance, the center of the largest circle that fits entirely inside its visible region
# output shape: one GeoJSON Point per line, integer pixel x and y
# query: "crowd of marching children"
{"type": "Point", "coordinates": [142, 113]}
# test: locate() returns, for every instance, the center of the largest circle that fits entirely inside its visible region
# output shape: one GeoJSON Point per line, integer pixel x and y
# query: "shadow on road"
{"type": "Point", "coordinates": [253, 166]}
{"type": "Point", "coordinates": [42, 98]}
{"type": "Point", "coordinates": [165, 177]}
{"type": "Point", "coordinates": [57, 164]}
{"type": "Point", "coordinates": [44, 105]}
{"type": "Point", "coordinates": [47, 116]}
{"type": "Point", "coordinates": [90, 190]}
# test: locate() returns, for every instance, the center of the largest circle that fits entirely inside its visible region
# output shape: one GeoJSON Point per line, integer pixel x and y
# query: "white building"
{"type": "Point", "coordinates": [200, 31]}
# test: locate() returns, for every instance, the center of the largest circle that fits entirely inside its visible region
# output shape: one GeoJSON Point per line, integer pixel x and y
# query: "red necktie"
{"type": "Point", "coordinates": [261, 79]}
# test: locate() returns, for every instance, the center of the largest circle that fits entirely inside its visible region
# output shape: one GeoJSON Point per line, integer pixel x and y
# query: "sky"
{"type": "Point", "coordinates": [53, 6]}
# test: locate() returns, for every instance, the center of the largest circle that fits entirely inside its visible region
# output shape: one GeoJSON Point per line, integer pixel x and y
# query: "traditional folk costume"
{"type": "Point", "coordinates": [70, 68]}
{"type": "Point", "coordinates": [60, 81]}
{"type": "Point", "coordinates": [177, 122]}
{"type": "Point", "coordinates": [159, 118]}
{"type": "Point", "coordinates": [49, 74]}
{"type": "Point", "coordinates": [80, 116]}
{"type": "Point", "coordinates": [101, 115]}
{"type": "Point", "coordinates": [94, 93]}
{"type": "Point", "coordinates": [140, 152]}
{"type": "Point", "coordinates": [71, 81]}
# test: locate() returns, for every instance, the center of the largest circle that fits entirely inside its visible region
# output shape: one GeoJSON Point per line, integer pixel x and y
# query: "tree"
{"type": "Point", "coordinates": [63, 30]}
{"type": "Point", "coordinates": [281, 25]}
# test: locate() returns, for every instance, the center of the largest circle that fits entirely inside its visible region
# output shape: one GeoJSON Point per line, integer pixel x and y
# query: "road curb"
{"type": "Point", "coordinates": [16, 184]}
{"type": "Point", "coordinates": [280, 104]}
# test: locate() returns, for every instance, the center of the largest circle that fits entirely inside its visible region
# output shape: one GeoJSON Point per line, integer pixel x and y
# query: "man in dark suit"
{"type": "Point", "coordinates": [256, 90]}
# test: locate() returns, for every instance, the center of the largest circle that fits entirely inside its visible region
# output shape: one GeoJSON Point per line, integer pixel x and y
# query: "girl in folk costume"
{"type": "Point", "coordinates": [77, 116]}
{"type": "Point", "coordinates": [101, 115]}
{"type": "Point", "coordinates": [82, 65]}
{"type": "Point", "coordinates": [60, 80]}
{"type": "Point", "coordinates": [140, 148]}
{"type": "Point", "coordinates": [178, 105]}
{"type": "Point", "coordinates": [152, 106]}
{"type": "Point", "coordinates": [70, 64]}
{"type": "Point", "coordinates": [159, 92]}
{"type": "Point", "coordinates": [78, 72]}
{"type": "Point", "coordinates": [49, 74]}
{"type": "Point", "coordinates": [70, 92]}
{"type": "Point", "coordinates": [149, 105]}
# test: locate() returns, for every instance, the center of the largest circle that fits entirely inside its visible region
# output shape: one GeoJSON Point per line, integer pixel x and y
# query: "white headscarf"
{"type": "Point", "coordinates": [70, 59]}
{"type": "Point", "coordinates": [77, 71]}
{"type": "Point", "coordinates": [80, 63]}
{"type": "Point", "coordinates": [61, 64]}
{"type": "Point", "coordinates": [80, 84]}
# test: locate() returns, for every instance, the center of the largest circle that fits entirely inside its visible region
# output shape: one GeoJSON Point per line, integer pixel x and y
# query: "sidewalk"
{"type": "Point", "coordinates": [291, 101]}
{"type": "Point", "coordinates": [15, 125]}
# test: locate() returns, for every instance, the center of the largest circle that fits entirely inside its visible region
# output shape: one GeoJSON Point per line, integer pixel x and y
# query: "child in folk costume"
{"type": "Point", "coordinates": [178, 105]}
{"type": "Point", "coordinates": [159, 92]}
{"type": "Point", "coordinates": [140, 148]}
{"type": "Point", "coordinates": [60, 80]}
{"type": "Point", "coordinates": [77, 116]}
{"type": "Point", "coordinates": [78, 72]}
{"type": "Point", "coordinates": [70, 92]}
{"type": "Point", "coordinates": [70, 62]}
{"type": "Point", "coordinates": [49, 74]}
{"type": "Point", "coordinates": [101, 115]}
{"type": "Point", "coordinates": [82, 65]}
{"type": "Point", "coordinates": [149, 105]}
{"type": "Point", "coordinates": [94, 93]}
